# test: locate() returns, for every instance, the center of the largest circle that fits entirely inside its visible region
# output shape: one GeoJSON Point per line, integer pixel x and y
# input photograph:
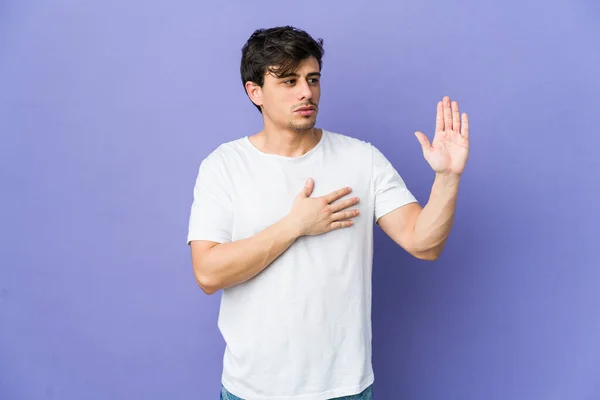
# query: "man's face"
{"type": "Point", "coordinates": [292, 101]}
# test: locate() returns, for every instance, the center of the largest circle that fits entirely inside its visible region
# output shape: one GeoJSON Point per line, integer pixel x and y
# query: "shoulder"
{"type": "Point", "coordinates": [217, 157]}
{"type": "Point", "coordinates": [216, 167]}
{"type": "Point", "coordinates": [358, 149]}
{"type": "Point", "coordinates": [339, 140]}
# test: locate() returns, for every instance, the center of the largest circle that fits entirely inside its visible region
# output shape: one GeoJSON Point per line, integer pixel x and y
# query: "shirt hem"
{"type": "Point", "coordinates": [340, 392]}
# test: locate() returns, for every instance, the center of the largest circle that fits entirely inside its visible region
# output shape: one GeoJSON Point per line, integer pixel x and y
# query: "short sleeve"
{"type": "Point", "coordinates": [211, 215]}
{"type": "Point", "coordinates": [390, 190]}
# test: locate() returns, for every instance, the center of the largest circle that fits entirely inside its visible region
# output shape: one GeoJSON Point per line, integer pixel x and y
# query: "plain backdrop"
{"type": "Point", "coordinates": [108, 107]}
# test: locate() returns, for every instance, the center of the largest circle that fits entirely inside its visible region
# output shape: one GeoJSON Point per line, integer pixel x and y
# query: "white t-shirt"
{"type": "Point", "coordinates": [300, 329]}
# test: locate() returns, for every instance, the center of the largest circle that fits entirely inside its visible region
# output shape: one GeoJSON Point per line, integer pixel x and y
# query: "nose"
{"type": "Point", "coordinates": [304, 91]}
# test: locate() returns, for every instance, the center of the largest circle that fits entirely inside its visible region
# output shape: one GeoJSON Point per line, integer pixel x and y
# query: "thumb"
{"type": "Point", "coordinates": [308, 188]}
{"type": "Point", "coordinates": [425, 145]}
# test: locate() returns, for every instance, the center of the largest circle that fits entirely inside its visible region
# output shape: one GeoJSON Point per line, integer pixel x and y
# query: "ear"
{"type": "Point", "coordinates": [254, 92]}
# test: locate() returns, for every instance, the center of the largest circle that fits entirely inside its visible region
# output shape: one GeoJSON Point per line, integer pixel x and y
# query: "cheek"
{"type": "Point", "coordinates": [316, 94]}
{"type": "Point", "coordinates": [290, 98]}
{"type": "Point", "coordinates": [278, 105]}
{"type": "Point", "coordinates": [286, 102]}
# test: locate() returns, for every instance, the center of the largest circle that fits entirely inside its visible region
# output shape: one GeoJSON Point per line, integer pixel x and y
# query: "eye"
{"type": "Point", "coordinates": [289, 82]}
{"type": "Point", "coordinates": [313, 81]}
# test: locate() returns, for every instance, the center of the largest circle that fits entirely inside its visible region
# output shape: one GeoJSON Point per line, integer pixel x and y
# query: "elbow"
{"type": "Point", "coordinates": [207, 283]}
{"type": "Point", "coordinates": [428, 255]}
{"type": "Point", "coordinates": [203, 268]}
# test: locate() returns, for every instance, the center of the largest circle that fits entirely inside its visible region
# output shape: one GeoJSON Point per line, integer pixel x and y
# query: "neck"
{"type": "Point", "coordinates": [286, 142]}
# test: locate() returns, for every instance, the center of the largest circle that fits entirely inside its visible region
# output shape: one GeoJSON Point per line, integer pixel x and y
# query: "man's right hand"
{"type": "Point", "coordinates": [314, 216]}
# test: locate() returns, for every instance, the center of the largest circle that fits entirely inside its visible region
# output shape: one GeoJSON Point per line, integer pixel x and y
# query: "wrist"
{"type": "Point", "coordinates": [291, 228]}
{"type": "Point", "coordinates": [447, 179]}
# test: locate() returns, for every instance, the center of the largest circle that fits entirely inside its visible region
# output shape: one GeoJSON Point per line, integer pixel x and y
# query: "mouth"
{"type": "Point", "coordinates": [306, 111]}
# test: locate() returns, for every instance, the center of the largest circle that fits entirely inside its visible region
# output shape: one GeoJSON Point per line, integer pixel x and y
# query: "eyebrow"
{"type": "Point", "coordinates": [294, 75]}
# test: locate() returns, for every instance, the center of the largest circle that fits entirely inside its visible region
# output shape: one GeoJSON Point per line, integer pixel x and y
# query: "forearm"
{"type": "Point", "coordinates": [435, 221]}
{"type": "Point", "coordinates": [229, 264]}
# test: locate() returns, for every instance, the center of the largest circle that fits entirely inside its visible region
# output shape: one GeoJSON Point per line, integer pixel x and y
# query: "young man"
{"type": "Point", "coordinates": [282, 221]}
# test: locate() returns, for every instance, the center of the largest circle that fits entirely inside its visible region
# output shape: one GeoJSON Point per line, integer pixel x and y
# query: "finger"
{"type": "Point", "coordinates": [338, 194]}
{"type": "Point", "coordinates": [455, 117]}
{"type": "Point", "coordinates": [341, 224]}
{"type": "Point", "coordinates": [344, 215]}
{"type": "Point", "coordinates": [340, 205]}
{"type": "Point", "coordinates": [465, 126]}
{"type": "Point", "coordinates": [447, 114]}
{"type": "Point", "coordinates": [439, 117]}
{"type": "Point", "coordinates": [308, 187]}
{"type": "Point", "coordinates": [425, 144]}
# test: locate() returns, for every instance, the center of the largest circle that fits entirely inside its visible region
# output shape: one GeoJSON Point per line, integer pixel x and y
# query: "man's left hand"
{"type": "Point", "coordinates": [449, 151]}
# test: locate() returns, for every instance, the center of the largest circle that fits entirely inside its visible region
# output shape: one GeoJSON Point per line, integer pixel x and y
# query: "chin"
{"type": "Point", "coordinates": [302, 125]}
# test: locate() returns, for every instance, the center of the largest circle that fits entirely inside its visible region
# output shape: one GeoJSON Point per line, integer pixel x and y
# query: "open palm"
{"type": "Point", "coordinates": [448, 152]}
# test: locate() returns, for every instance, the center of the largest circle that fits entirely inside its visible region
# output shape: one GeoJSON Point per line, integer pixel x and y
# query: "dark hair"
{"type": "Point", "coordinates": [278, 51]}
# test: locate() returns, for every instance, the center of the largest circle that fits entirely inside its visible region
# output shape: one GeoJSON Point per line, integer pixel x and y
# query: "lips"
{"type": "Point", "coordinates": [304, 111]}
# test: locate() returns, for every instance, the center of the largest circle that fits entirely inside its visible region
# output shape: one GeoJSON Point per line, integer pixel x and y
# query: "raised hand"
{"type": "Point", "coordinates": [448, 152]}
{"type": "Point", "coordinates": [314, 216]}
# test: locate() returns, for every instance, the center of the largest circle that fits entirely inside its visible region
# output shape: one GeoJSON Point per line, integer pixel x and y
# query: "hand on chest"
{"type": "Point", "coordinates": [264, 196]}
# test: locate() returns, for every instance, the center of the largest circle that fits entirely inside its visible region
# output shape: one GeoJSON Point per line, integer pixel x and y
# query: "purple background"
{"type": "Point", "coordinates": [108, 107]}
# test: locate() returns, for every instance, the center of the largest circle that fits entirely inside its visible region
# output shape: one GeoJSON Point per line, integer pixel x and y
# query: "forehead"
{"type": "Point", "coordinates": [305, 67]}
